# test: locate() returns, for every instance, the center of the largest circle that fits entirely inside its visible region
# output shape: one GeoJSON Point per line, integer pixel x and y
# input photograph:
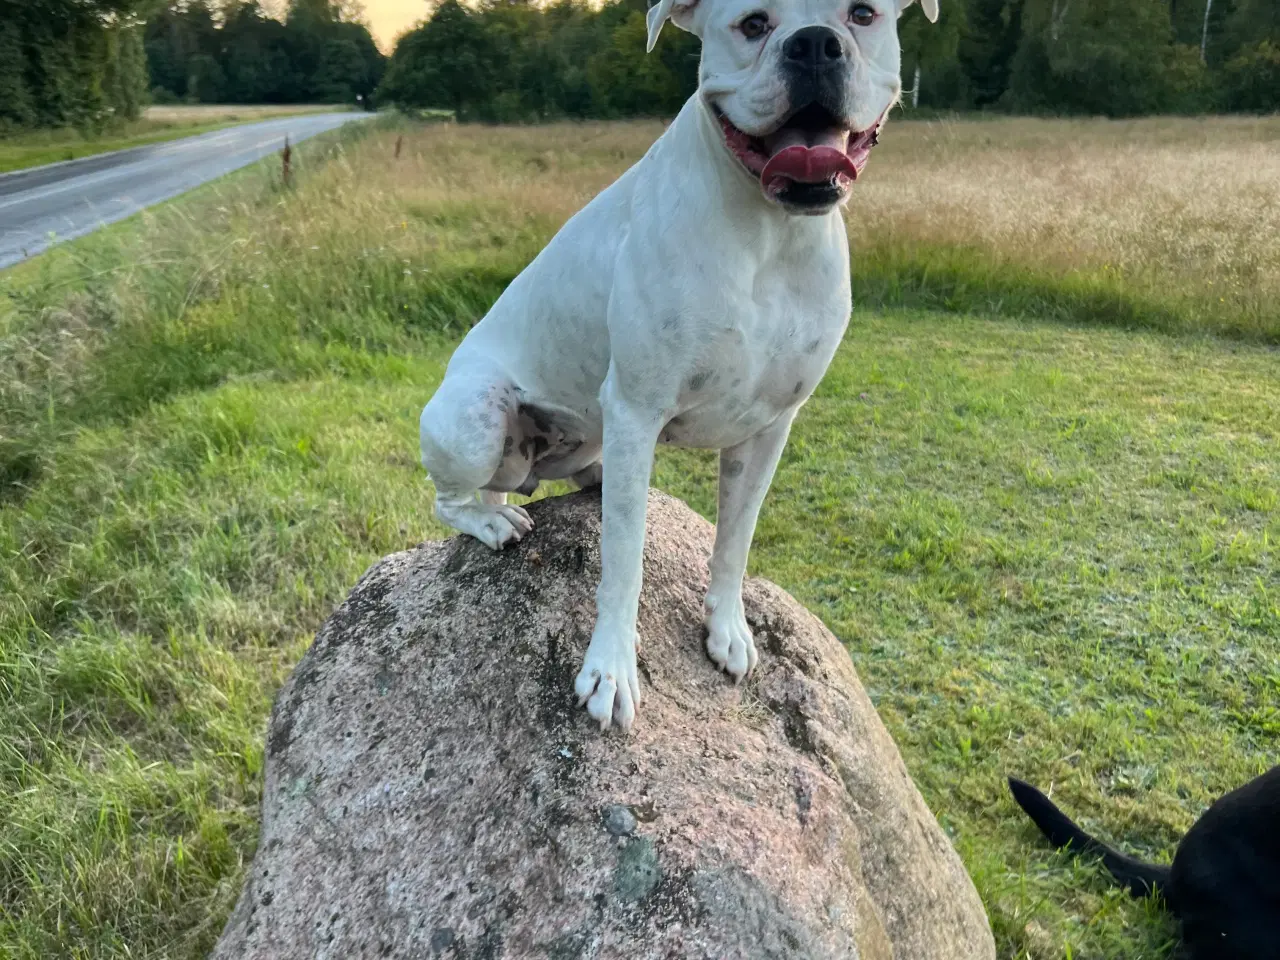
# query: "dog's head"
{"type": "Point", "coordinates": [799, 87]}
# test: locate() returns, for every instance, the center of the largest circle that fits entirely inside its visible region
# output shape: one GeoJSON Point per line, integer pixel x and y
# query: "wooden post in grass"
{"type": "Point", "coordinates": [286, 165]}
{"type": "Point", "coordinates": [399, 144]}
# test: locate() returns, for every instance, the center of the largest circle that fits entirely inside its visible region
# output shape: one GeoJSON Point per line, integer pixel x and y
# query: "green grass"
{"type": "Point", "coordinates": [1050, 546]}
{"type": "Point", "coordinates": [1053, 554]}
{"type": "Point", "coordinates": [963, 279]}
{"type": "Point", "coordinates": [21, 150]}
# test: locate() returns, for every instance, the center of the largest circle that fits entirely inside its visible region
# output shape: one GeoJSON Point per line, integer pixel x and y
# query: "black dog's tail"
{"type": "Point", "coordinates": [1141, 878]}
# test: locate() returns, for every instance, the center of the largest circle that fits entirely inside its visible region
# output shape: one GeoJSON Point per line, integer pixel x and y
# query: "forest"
{"type": "Point", "coordinates": [85, 62]}
{"type": "Point", "coordinates": [89, 63]}
{"type": "Point", "coordinates": [520, 61]}
{"type": "Point", "coordinates": [71, 62]}
{"type": "Point", "coordinates": [318, 52]}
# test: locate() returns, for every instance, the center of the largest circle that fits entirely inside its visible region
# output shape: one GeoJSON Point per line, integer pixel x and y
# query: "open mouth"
{"type": "Point", "coordinates": [812, 147]}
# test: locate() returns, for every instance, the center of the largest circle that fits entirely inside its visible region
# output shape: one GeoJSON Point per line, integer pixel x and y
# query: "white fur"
{"type": "Point", "coordinates": [681, 305]}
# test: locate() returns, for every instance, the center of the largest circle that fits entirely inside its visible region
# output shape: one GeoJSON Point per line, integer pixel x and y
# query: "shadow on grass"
{"type": "Point", "coordinates": [968, 280]}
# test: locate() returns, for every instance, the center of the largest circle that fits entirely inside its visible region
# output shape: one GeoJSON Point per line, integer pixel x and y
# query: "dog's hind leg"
{"type": "Point", "coordinates": [589, 476]}
{"type": "Point", "coordinates": [468, 445]}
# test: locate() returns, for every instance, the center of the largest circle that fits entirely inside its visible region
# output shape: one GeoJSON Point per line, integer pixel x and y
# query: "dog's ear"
{"type": "Point", "coordinates": [679, 12]}
{"type": "Point", "coordinates": [930, 8]}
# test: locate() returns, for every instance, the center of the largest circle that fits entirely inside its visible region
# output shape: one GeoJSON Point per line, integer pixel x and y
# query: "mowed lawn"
{"type": "Point", "coordinates": [1037, 495]}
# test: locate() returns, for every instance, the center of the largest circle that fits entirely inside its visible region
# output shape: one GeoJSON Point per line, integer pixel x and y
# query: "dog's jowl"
{"type": "Point", "coordinates": [696, 301]}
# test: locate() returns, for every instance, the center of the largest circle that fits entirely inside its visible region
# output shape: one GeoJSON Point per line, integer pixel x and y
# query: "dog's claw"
{"type": "Point", "coordinates": [608, 684]}
{"type": "Point", "coordinates": [730, 644]}
{"type": "Point", "coordinates": [518, 518]}
{"type": "Point", "coordinates": [493, 524]}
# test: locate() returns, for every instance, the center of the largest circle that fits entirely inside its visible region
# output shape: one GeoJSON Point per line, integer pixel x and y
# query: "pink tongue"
{"type": "Point", "coordinates": [807, 165]}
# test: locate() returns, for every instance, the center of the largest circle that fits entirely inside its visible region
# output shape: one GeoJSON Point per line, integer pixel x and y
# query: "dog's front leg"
{"type": "Point", "coordinates": [745, 474]}
{"type": "Point", "coordinates": [608, 683]}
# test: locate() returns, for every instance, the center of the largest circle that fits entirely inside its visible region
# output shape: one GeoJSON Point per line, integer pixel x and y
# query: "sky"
{"type": "Point", "coordinates": [390, 18]}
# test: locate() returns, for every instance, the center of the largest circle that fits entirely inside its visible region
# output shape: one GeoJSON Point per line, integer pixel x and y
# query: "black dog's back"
{"type": "Point", "coordinates": [1224, 884]}
{"type": "Point", "coordinates": [1226, 875]}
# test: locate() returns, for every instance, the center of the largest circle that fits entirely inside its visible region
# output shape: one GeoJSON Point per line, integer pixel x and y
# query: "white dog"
{"type": "Point", "coordinates": [697, 301]}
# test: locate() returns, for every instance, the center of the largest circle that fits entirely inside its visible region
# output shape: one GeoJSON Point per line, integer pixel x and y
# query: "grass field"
{"type": "Point", "coordinates": [157, 124]}
{"type": "Point", "coordinates": [1037, 495]}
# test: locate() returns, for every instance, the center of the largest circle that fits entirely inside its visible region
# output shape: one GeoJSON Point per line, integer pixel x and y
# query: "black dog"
{"type": "Point", "coordinates": [1224, 883]}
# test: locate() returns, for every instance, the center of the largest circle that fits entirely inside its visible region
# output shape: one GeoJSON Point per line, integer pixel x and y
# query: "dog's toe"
{"type": "Point", "coordinates": [494, 525]}
{"type": "Point", "coordinates": [730, 644]}
{"type": "Point", "coordinates": [600, 704]}
{"type": "Point", "coordinates": [608, 684]}
{"type": "Point", "coordinates": [519, 519]}
{"type": "Point", "coordinates": [499, 531]}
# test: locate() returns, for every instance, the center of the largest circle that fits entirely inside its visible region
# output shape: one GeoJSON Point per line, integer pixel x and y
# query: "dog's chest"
{"type": "Point", "coordinates": [747, 374]}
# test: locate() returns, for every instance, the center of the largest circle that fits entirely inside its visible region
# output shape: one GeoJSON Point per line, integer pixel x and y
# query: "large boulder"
{"type": "Point", "coordinates": [433, 790]}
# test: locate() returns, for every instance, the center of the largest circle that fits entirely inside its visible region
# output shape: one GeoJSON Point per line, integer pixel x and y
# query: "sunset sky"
{"type": "Point", "coordinates": [389, 18]}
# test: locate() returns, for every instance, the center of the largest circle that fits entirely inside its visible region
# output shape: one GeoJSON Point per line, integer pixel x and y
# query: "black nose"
{"type": "Point", "coordinates": [814, 47]}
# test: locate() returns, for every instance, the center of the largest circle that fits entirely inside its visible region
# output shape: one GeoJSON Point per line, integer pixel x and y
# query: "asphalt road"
{"type": "Point", "coordinates": [46, 205]}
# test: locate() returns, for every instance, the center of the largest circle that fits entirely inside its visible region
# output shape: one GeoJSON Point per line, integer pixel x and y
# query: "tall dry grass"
{"type": "Point", "coordinates": [1184, 212]}
{"type": "Point", "coordinates": [1167, 223]}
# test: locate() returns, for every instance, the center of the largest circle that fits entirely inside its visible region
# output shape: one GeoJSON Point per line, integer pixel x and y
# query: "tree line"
{"type": "Point", "coordinates": [71, 62]}
{"type": "Point", "coordinates": [515, 60]}
{"type": "Point", "coordinates": [234, 52]}
{"type": "Point", "coordinates": [1108, 57]}
{"type": "Point", "coordinates": [89, 62]}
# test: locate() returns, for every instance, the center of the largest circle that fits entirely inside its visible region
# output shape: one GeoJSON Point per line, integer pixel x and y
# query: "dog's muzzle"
{"type": "Point", "coordinates": [809, 160]}
{"type": "Point", "coordinates": [816, 66]}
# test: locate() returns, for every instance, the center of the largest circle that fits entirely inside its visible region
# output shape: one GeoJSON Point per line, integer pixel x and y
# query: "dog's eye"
{"type": "Point", "coordinates": [862, 15]}
{"type": "Point", "coordinates": [755, 26]}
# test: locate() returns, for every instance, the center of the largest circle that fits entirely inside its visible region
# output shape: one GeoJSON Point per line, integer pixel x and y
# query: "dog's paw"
{"type": "Point", "coordinates": [730, 643]}
{"type": "Point", "coordinates": [608, 683]}
{"type": "Point", "coordinates": [493, 524]}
